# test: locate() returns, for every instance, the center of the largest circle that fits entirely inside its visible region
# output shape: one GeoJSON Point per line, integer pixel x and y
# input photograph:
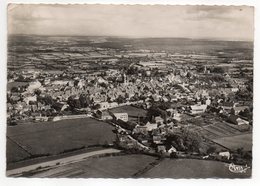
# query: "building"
{"type": "Point", "coordinates": [29, 99]}
{"type": "Point", "coordinates": [171, 150]}
{"type": "Point", "coordinates": [121, 116]}
{"type": "Point", "coordinates": [140, 129]}
{"type": "Point", "coordinates": [238, 109]}
{"type": "Point", "coordinates": [161, 149]}
{"type": "Point", "coordinates": [224, 155]}
{"type": "Point", "coordinates": [158, 120]}
{"type": "Point", "coordinates": [113, 104]}
{"type": "Point", "coordinates": [208, 101]}
{"type": "Point", "coordinates": [34, 85]}
{"type": "Point", "coordinates": [237, 120]}
{"type": "Point", "coordinates": [104, 115]}
{"type": "Point", "coordinates": [104, 105]}
{"type": "Point", "coordinates": [150, 126]}
{"type": "Point", "coordinates": [198, 109]}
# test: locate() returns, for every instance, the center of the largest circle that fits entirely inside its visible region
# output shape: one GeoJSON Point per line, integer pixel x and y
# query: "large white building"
{"type": "Point", "coordinates": [198, 109]}
{"type": "Point", "coordinates": [121, 116]}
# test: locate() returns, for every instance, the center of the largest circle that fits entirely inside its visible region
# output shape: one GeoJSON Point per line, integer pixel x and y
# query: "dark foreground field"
{"type": "Point", "coordinates": [105, 167]}
{"type": "Point", "coordinates": [141, 166]}
{"type": "Point", "coordinates": [191, 168]}
{"type": "Point", "coordinates": [52, 138]}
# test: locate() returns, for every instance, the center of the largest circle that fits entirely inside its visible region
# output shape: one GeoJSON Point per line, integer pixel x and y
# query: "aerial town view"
{"type": "Point", "coordinates": [112, 106]}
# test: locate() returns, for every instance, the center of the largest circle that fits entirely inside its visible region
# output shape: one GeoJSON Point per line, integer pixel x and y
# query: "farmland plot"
{"type": "Point", "coordinates": [50, 138]}
{"type": "Point", "coordinates": [240, 141]}
{"type": "Point", "coordinates": [186, 168]}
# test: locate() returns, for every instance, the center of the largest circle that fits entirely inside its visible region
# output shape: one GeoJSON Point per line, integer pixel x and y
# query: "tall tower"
{"type": "Point", "coordinates": [125, 80]}
{"type": "Point", "coordinates": [205, 69]}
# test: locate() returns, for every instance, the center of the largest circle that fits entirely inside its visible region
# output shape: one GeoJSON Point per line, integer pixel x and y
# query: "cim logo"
{"type": "Point", "coordinates": [237, 168]}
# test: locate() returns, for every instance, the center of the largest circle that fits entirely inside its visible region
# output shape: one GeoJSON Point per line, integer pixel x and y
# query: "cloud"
{"type": "Point", "coordinates": [133, 20]}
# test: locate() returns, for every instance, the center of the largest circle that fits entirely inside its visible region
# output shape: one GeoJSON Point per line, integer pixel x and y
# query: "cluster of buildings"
{"type": "Point", "coordinates": [178, 84]}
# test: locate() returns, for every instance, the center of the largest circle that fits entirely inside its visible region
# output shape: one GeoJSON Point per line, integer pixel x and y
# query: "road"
{"type": "Point", "coordinates": [59, 162]}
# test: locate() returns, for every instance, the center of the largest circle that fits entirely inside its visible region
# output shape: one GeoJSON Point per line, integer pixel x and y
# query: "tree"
{"type": "Point", "coordinates": [246, 113]}
{"type": "Point", "coordinates": [37, 92]}
{"type": "Point", "coordinates": [76, 82]}
{"type": "Point", "coordinates": [104, 85]}
{"type": "Point", "coordinates": [185, 140]}
{"type": "Point", "coordinates": [189, 75]}
{"type": "Point", "coordinates": [73, 103]}
{"type": "Point", "coordinates": [14, 89]}
{"type": "Point", "coordinates": [200, 68]}
{"type": "Point", "coordinates": [244, 95]}
{"type": "Point", "coordinates": [48, 100]}
{"type": "Point", "coordinates": [218, 70]}
{"type": "Point", "coordinates": [96, 107]}
{"type": "Point", "coordinates": [84, 100]}
{"type": "Point", "coordinates": [211, 149]}
{"type": "Point", "coordinates": [120, 99]}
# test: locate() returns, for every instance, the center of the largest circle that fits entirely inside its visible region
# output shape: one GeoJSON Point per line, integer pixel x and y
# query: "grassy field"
{"type": "Point", "coordinates": [128, 165]}
{"type": "Point", "coordinates": [105, 167]}
{"type": "Point", "coordinates": [133, 112]}
{"type": "Point", "coordinates": [190, 168]}
{"type": "Point", "coordinates": [234, 142]}
{"type": "Point", "coordinates": [50, 138]}
{"type": "Point", "coordinates": [219, 130]}
{"type": "Point", "coordinates": [15, 84]}
{"type": "Point", "coordinates": [14, 152]}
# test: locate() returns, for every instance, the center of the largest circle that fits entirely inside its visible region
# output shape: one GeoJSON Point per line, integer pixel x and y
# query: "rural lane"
{"type": "Point", "coordinates": [60, 162]}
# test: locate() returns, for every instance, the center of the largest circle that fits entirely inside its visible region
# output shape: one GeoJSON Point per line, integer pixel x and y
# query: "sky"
{"type": "Point", "coordinates": [217, 22]}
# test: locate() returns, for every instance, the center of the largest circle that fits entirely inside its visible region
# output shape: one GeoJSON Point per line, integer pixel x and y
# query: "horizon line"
{"type": "Point", "coordinates": [135, 37]}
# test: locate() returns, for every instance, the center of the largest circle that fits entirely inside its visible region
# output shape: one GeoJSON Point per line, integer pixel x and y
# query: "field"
{"type": "Point", "coordinates": [190, 168]}
{"type": "Point", "coordinates": [106, 167]}
{"type": "Point", "coordinates": [15, 152]}
{"type": "Point", "coordinates": [227, 135]}
{"type": "Point", "coordinates": [50, 138]}
{"type": "Point", "coordinates": [234, 142]}
{"type": "Point", "coordinates": [218, 129]}
{"type": "Point", "coordinates": [133, 112]}
{"type": "Point", "coordinates": [16, 84]}
{"type": "Point", "coordinates": [128, 166]}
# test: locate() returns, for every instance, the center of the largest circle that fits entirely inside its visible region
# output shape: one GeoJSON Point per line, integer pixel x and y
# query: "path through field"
{"type": "Point", "coordinates": [59, 162]}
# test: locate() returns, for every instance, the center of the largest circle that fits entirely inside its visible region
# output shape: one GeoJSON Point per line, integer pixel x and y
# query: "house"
{"type": "Point", "coordinates": [227, 107]}
{"type": "Point", "coordinates": [198, 109]}
{"type": "Point", "coordinates": [238, 109]}
{"type": "Point", "coordinates": [237, 120]}
{"type": "Point", "coordinates": [157, 139]}
{"type": "Point", "coordinates": [30, 98]}
{"type": "Point", "coordinates": [113, 104]}
{"type": "Point", "coordinates": [171, 150]}
{"type": "Point", "coordinates": [158, 120]}
{"type": "Point", "coordinates": [161, 149]}
{"type": "Point", "coordinates": [140, 129]}
{"type": "Point", "coordinates": [57, 82]}
{"type": "Point", "coordinates": [234, 89]}
{"type": "Point", "coordinates": [104, 115]}
{"type": "Point", "coordinates": [177, 116]}
{"type": "Point", "coordinates": [33, 85]}
{"type": "Point", "coordinates": [121, 116]}
{"type": "Point", "coordinates": [104, 105]}
{"type": "Point", "coordinates": [174, 98]}
{"type": "Point", "coordinates": [9, 106]}
{"type": "Point", "coordinates": [150, 126]}
{"type": "Point", "coordinates": [41, 118]}
{"type": "Point", "coordinates": [224, 155]}
{"type": "Point", "coordinates": [208, 101]}
{"type": "Point", "coordinates": [64, 107]}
